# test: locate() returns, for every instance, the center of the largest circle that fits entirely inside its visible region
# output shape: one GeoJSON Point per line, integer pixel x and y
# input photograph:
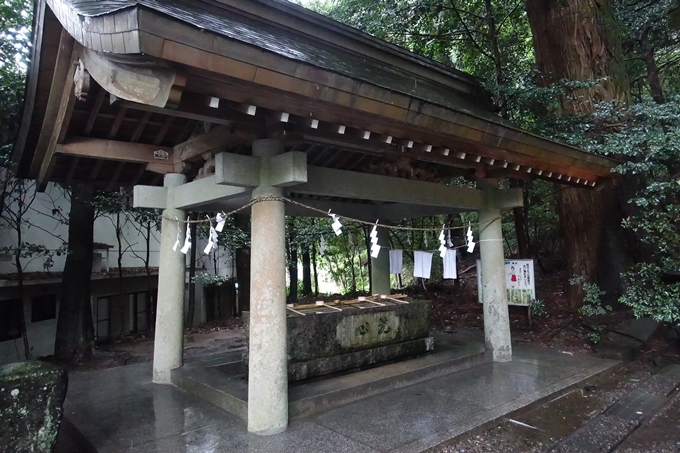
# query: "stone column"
{"type": "Point", "coordinates": [496, 319]}
{"type": "Point", "coordinates": [169, 336]}
{"type": "Point", "coordinates": [380, 266]}
{"type": "Point", "coordinates": [267, 358]}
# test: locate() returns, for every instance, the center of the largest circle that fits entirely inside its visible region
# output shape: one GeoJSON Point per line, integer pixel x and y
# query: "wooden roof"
{"type": "Point", "coordinates": [163, 73]}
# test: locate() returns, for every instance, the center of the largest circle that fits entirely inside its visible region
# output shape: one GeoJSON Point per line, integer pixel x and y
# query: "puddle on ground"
{"type": "Point", "coordinates": [552, 420]}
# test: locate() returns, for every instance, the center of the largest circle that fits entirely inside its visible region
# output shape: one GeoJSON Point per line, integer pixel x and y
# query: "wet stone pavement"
{"type": "Point", "coordinates": [120, 410]}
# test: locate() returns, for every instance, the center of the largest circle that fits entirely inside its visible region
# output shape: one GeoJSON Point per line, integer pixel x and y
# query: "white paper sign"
{"type": "Point", "coordinates": [519, 280]}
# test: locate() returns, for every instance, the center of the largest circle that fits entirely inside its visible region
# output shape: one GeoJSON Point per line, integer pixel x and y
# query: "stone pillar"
{"type": "Point", "coordinates": [496, 318]}
{"type": "Point", "coordinates": [169, 337]}
{"type": "Point", "coordinates": [380, 266]}
{"type": "Point", "coordinates": [267, 358]}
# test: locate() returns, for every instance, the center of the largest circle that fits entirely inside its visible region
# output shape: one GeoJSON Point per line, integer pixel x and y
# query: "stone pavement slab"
{"type": "Point", "coordinates": [120, 410]}
{"type": "Point", "coordinates": [606, 431]}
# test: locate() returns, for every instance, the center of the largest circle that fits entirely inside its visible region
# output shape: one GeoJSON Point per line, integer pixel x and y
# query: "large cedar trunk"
{"type": "Point", "coordinates": [306, 273]}
{"type": "Point", "coordinates": [75, 334]}
{"type": "Point", "coordinates": [578, 40]}
{"type": "Point", "coordinates": [293, 274]}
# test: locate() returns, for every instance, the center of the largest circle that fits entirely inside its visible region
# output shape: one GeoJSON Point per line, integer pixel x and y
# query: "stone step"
{"type": "Point", "coordinates": [230, 392]}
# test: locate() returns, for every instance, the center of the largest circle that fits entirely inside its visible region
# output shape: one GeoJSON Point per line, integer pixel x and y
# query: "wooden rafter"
{"type": "Point", "coordinates": [59, 110]}
{"type": "Point", "coordinates": [94, 112]}
{"type": "Point", "coordinates": [96, 170]}
{"type": "Point", "coordinates": [140, 127]}
{"type": "Point", "coordinates": [113, 181]}
{"type": "Point", "coordinates": [120, 116]}
{"type": "Point", "coordinates": [163, 131]}
{"type": "Point", "coordinates": [72, 170]}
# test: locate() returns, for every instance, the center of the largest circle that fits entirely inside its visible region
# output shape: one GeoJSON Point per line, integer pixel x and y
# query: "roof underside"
{"type": "Point", "coordinates": [261, 69]}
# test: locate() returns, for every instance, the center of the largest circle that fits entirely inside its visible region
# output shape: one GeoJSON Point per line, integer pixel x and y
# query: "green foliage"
{"type": "Point", "coordinates": [537, 307]}
{"type": "Point", "coordinates": [231, 237]}
{"type": "Point", "coordinates": [15, 22]}
{"type": "Point", "coordinates": [649, 296]}
{"type": "Point", "coordinates": [594, 337]}
{"type": "Point", "coordinates": [209, 279]}
{"type": "Point", "coordinates": [592, 297]}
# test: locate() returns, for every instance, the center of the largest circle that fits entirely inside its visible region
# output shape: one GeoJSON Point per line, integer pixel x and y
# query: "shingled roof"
{"type": "Point", "coordinates": [348, 100]}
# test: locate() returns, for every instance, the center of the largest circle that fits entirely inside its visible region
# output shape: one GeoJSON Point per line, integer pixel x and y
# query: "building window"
{"type": "Point", "coordinates": [10, 319]}
{"type": "Point", "coordinates": [139, 312]}
{"type": "Point", "coordinates": [102, 316]}
{"type": "Point", "coordinates": [43, 308]}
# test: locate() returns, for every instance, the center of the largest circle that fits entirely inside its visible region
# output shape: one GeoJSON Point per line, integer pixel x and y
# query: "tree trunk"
{"type": "Point", "coordinates": [367, 241]}
{"type": "Point", "coordinates": [75, 334]}
{"type": "Point", "coordinates": [121, 281]}
{"type": "Point", "coordinates": [242, 257]}
{"type": "Point", "coordinates": [20, 282]}
{"type": "Point", "coordinates": [521, 230]}
{"type": "Point", "coordinates": [293, 274]}
{"type": "Point", "coordinates": [314, 269]}
{"type": "Point", "coordinates": [647, 53]}
{"type": "Point", "coordinates": [578, 40]}
{"type": "Point", "coordinates": [306, 273]}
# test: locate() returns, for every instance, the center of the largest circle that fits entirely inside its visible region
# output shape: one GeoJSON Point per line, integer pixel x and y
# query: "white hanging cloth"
{"type": "Point", "coordinates": [422, 264]}
{"type": "Point", "coordinates": [450, 264]}
{"type": "Point", "coordinates": [396, 261]}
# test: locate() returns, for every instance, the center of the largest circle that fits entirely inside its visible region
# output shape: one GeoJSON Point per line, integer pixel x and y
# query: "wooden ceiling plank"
{"type": "Point", "coordinates": [164, 130]}
{"type": "Point", "coordinates": [138, 176]}
{"type": "Point", "coordinates": [187, 131]}
{"type": "Point", "coordinates": [115, 177]}
{"type": "Point", "coordinates": [117, 122]}
{"type": "Point", "coordinates": [358, 161]}
{"type": "Point", "coordinates": [139, 130]}
{"type": "Point", "coordinates": [95, 111]}
{"type": "Point", "coordinates": [72, 170]}
{"type": "Point", "coordinates": [317, 156]}
{"type": "Point", "coordinates": [96, 170]}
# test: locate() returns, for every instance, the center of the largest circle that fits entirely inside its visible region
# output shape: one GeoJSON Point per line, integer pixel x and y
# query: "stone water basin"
{"type": "Point", "coordinates": [322, 340]}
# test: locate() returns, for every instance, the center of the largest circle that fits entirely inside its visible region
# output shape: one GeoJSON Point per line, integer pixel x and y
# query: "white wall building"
{"type": "Point", "coordinates": [45, 224]}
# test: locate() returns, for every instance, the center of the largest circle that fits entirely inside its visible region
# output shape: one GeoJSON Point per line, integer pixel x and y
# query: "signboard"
{"type": "Point", "coordinates": [519, 279]}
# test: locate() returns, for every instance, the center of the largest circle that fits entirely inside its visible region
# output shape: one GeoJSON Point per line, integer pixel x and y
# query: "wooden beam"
{"type": "Point", "coordinates": [385, 150]}
{"type": "Point", "coordinates": [218, 137]}
{"type": "Point", "coordinates": [57, 104]}
{"type": "Point", "coordinates": [96, 148]}
{"type": "Point", "coordinates": [426, 123]}
{"type": "Point", "coordinates": [203, 116]}
{"type": "Point", "coordinates": [348, 184]}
